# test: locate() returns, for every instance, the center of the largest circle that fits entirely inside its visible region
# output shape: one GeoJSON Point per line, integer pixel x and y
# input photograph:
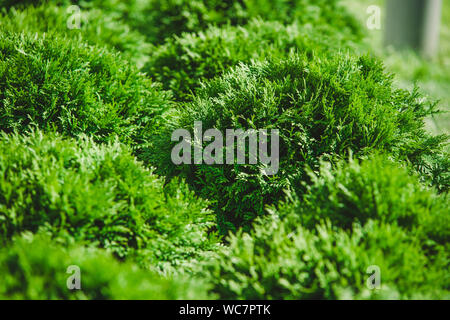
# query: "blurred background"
{"type": "Point", "coordinates": [431, 75]}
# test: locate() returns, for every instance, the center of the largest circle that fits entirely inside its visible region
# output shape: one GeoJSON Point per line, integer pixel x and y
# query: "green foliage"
{"type": "Point", "coordinates": [66, 86]}
{"type": "Point", "coordinates": [322, 107]}
{"type": "Point", "coordinates": [434, 168]}
{"type": "Point", "coordinates": [98, 195]}
{"type": "Point", "coordinates": [375, 189]}
{"type": "Point", "coordinates": [353, 216]}
{"type": "Point", "coordinates": [95, 28]}
{"type": "Point", "coordinates": [7, 4]}
{"type": "Point", "coordinates": [159, 20]}
{"type": "Point", "coordinates": [277, 261]}
{"type": "Point", "coordinates": [75, 111]}
{"type": "Point", "coordinates": [34, 267]}
{"type": "Point", "coordinates": [182, 63]}
{"type": "Point", "coordinates": [176, 16]}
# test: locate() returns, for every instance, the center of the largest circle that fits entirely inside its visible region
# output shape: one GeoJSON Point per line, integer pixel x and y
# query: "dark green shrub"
{"type": "Point", "coordinates": [182, 63]}
{"type": "Point", "coordinates": [373, 189]}
{"type": "Point", "coordinates": [173, 17]}
{"type": "Point", "coordinates": [7, 4]}
{"type": "Point", "coordinates": [96, 28]}
{"type": "Point", "coordinates": [434, 168]}
{"type": "Point", "coordinates": [100, 195]}
{"type": "Point", "coordinates": [66, 86]}
{"type": "Point", "coordinates": [275, 261]}
{"type": "Point", "coordinates": [322, 107]}
{"type": "Point", "coordinates": [36, 268]}
{"type": "Point", "coordinates": [159, 20]}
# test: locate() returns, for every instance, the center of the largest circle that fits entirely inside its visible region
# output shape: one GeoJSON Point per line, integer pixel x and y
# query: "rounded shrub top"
{"type": "Point", "coordinates": [159, 20]}
{"type": "Point", "coordinates": [358, 219]}
{"type": "Point", "coordinates": [98, 194]}
{"type": "Point", "coordinates": [72, 88]}
{"type": "Point", "coordinates": [376, 188]}
{"type": "Point", "coordinates": [322, 107]}
{"type": "Point", "coordinates": [35, 267]}
{"type": "Point", "coordinates": [276, 261]}
{"type": "Point", "coordinates": [94, 26]}
{"type": "Point", "coordinates": [182, 63]}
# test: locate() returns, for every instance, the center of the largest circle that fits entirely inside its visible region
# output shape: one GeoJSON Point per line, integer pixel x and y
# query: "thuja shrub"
{"type": "Point", "coordinates": [100, 195]}
{"type": "Point", "coordinates": [159, 20]}
{"type": "Point", "coordinates": [182, 63]}
{"type": "Point", "coordinates": [90, 25]}
{"type": "Point", "coordinates": [434, 169]}
{"type": "Point", "coordinates": [372, 189]}
{"type": "Point", "coordinates": [176, 16]}
{"type": "Point", "coordinates": [62, 85]}
{"type": "Point", "coordinates": [323, 108]}
{"type": "Point", "coordinates": [36, 267]}
{"type": "Point", "coordinates": [277, 261]}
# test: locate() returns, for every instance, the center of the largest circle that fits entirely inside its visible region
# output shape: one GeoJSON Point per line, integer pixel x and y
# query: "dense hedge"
{"type": "Point", "coordinates": [369, 213]}
{"type": "Point", "coordinates": [34, 267]}
{"type": "Point", "coordinates": [182, 63]}
{"type": "Point", "coordinates": [96, 28]}
{"type": "Point", "coordinates": [323, 107]}
{"type": "Point", "coordinates": [374, 189]}
{"type": "Point", "coordinates": [66, 86]}
{"type": "Point", "coordinates": [276, 261]}
{"type": "Point", "coordinates": [99, 195]}
{"type": "Point", "coordinates": [75, 111]}
{"type": "Point", "coordinates": [159, 20]}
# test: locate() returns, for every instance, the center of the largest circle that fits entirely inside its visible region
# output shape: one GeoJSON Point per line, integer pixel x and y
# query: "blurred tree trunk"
{"type": "Point", "coordinates": [414, 24]}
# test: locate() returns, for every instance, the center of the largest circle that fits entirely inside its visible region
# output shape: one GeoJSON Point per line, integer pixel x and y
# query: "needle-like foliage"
{"type": "Point", "coordinates": [63, 85]}
{"type": "Point", "coordinates": [323, 107]}
{"type": "Point", "coordinates": [35, 267]}
{"type": "Point", "coordinates": [182, 63]}
{"type": "Point", "coordinates": [99, 194]}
